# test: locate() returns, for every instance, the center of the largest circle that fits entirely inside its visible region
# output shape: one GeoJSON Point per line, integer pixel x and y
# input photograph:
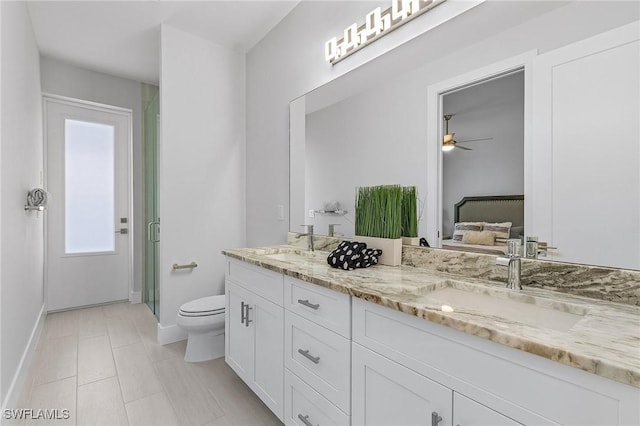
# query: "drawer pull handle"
{"type": "Point", "coordinates": [247, 320]}
{"type": "Point", "coordinates": [305, 353]}
{"type": "Point", "coordinates": [435, 419]}
{"type": "Point", "coordinates": [305, 420]}
{"type": "Point", "coordinates": [242, 317]}
{"type": "Point", "coordinates": [308, 304]}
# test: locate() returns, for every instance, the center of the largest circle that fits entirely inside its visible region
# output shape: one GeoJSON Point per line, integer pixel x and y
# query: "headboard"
{"type": "Point", "coordinates": [493, 208]}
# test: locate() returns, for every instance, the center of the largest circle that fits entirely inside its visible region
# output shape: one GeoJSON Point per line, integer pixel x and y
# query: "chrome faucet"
{"type": "Point", "coordinates": [512, 262]}
{"type": "Point", "coordinates": [309, 235]}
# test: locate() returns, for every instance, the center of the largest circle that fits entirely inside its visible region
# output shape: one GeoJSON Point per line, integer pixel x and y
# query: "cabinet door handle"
{"type": "Point", "coordinates": [308, 304]}
{"type": "Point", "coordinates": [242, 317]}
{"type": "Point", "coordinates": [305, 353]}
{"type": "Point", "coordinates": [435, 419]}
{"type": "Point", "coordinates": [247, 320]}
{"type": "Point", "coordinates": [305, 420]}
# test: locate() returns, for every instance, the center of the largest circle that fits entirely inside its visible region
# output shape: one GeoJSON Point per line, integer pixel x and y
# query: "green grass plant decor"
{"type": "Point", "coordinates": [409, 211]}
{"type": "Point", "coordinates": [379, 211]}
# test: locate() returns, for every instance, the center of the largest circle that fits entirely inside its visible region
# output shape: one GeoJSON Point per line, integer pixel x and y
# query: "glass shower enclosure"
{"type": "Point", "coordinates": [150, 139]}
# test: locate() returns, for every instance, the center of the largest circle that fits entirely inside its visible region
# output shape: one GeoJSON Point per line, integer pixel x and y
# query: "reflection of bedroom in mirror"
{"type": "Point", "coordinates": [483, 180]}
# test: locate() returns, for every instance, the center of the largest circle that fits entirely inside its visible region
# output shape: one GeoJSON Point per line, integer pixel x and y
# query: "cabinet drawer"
{"type": "Point", "coordinates": [320, 357]}
{"type": "Point", "coordinates": [326, 307]}
{"type": "Point", "coordinates": [302, 402]}
{"type": "Point", "coordinates": [263, 282]}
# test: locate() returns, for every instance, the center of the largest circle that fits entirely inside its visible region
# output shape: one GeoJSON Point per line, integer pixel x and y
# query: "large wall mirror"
{"type": "Point", "coordinates": [547, 141]}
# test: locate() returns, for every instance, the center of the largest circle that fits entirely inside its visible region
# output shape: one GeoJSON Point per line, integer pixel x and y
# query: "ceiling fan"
{"type": "Point", "coordinates": [448, 142]}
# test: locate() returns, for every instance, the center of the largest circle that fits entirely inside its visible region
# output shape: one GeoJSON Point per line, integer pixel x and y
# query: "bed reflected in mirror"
{"type": "Point", "coordinates": [483, 224]}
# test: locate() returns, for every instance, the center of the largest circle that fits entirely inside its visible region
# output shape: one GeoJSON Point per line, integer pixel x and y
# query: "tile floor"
{"type": "Point", "coordinates": [104, 365]}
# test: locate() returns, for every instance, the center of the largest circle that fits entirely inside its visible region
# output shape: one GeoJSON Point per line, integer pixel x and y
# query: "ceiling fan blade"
{"type": "Point", "coordinates": [475, 140]}
{"type": "Point", "coordinates": [463, 147]}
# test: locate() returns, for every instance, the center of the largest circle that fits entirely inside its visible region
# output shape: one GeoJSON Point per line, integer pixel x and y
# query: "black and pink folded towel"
{"type": "Point", "coordinates": [352, 254]}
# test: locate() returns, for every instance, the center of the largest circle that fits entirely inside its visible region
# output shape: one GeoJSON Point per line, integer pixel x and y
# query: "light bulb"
{"type": "Point", "coordinates": [447, 148]}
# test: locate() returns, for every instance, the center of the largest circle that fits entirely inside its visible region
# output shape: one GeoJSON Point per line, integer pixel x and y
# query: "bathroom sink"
{"type": "Point", "coordinates": [503, 305]}
{"type": "Point", "coordinates": [293, 255]}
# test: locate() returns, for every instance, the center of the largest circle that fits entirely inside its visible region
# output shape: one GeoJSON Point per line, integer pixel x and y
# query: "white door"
{"type": "Point", "coordinates": [268, 376]}
{"type": "Point", "coordinates": [239, 336]}
{"type": "Point", "coordinates": [88, 223]}
{"type": "Point", "coordinates": [586, 155]}
{"type": "Point", "coordinates": [385, 393]}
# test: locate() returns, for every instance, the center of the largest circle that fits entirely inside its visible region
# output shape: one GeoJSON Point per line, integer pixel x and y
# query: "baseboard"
{"type": "Point", "coordinates": [170, 333]}
{"type": "Point", "coordinates": [135, 297]}
{"type": "Point", "coordinates": [19, 378]}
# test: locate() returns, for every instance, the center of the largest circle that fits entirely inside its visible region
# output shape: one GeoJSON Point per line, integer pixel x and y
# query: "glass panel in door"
{"type": "Point", "coordinates": [89, 187]}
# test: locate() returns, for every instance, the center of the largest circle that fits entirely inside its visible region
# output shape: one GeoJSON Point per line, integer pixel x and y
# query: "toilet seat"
{"type": "Point", "coordinates": [205, 306]}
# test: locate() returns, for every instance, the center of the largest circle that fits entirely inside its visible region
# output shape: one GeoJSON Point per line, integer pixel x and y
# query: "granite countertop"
{"type": "Point", "coordinates": [593, 335]}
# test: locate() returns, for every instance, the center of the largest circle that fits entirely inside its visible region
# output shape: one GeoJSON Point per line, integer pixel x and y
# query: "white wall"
{"type": "Point", "coordinates": [202, 168]}
{"type": "Point", "coordinates": [494, 109]}
{"type": "Point", "coordinates": [64, 79]}
{"type": "Point", "coordinates": [289, 62]}
{"type": "Point", "coordinates": [22, 162]}
{"type": "Point", "coordinates": [362, 141]}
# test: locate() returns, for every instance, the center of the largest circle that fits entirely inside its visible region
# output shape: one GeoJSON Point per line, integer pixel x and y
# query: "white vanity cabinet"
{"type": "Point", "coordinates": [254, 337]}
{"type": "Point", "coordinates": [403, 365]}
{"type": "Point", "coordinates": [385, 393]}
{"type": "Point", "coordinates": [317, 355]}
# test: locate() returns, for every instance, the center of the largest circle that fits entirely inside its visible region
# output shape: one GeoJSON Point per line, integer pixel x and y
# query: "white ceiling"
{"type": "Point", "coordinates": [123, 37]}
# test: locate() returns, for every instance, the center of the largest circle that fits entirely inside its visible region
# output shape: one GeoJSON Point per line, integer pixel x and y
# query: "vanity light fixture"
{"type": "Point", "coordinates": [377, 24]}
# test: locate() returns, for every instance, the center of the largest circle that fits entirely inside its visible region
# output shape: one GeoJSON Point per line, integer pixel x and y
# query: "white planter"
{"type": "Point", "coordinates": [410, 241]}
{"type": "Point", "coordinates": [391, 249]}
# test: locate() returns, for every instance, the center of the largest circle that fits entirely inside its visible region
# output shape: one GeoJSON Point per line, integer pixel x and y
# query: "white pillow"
{"type": "Point", "coordinates": [501, 230]}
{"type": "Point", "coordinates": [483, 238]}
{"type": "Point", "coordinates": [460, 228]}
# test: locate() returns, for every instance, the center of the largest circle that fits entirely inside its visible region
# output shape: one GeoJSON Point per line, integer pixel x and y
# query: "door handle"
{"type": "Point", "coordinates": [149, 225]}
{"type": "Point", "coordinates": [435, 418]}
{"type": "Point", "coordinates": [305, 419]}
{"type": "Point", "coordinates": [242, 317]}
{"type": "Point", "coordinates": [246, 317]}
{"type": "Point", "coordinates": [122, 231]}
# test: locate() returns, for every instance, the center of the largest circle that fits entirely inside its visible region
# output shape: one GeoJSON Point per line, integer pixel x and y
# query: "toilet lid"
{"type": "Point", "coordinates": [204, 306]}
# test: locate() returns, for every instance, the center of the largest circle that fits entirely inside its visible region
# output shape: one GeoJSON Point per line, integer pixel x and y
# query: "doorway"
{"type": "Point", "coordinates": [88, 227]}
{"type": "Point", "coordinates": [487, 159]}
{"type": "Point", "coordinates": [436, 126]}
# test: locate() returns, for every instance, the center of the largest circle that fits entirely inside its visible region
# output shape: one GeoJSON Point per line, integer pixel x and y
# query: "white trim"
{"type": "Point", "coordinates": [20, 376]}
{"type": "Point", "coordinates": [48, 98]}
{"type": "Point", "coordinates": [435, 94]}
{"type": "Point", "coordinates": [135, 297]}
{"type": "Point", "coordinates": [87, 104]}
{"type": "Point", "coordinates": [171, 333]}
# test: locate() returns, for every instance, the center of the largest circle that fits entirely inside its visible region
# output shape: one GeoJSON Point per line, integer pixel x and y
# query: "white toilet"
{"type": "Point", "coordinates": [203, 319]}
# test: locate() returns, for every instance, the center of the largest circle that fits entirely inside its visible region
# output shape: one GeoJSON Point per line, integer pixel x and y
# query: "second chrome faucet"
{"type": "Point", "coordinates": [512, 262]}
{"type": "Point", "coordinates": [309, 235]}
